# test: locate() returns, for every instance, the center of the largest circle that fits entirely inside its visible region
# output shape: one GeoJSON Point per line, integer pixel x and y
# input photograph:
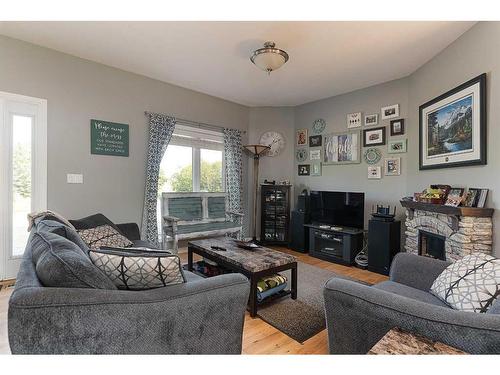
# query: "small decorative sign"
{"type": "Point", "coordinates": [108, 138]}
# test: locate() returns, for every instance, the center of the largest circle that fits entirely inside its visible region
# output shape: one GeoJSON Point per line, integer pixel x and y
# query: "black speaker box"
{"type": "Point", "coordinates": [384, 241]}
{"type": "Point", "coordinates": [303, 203]}
{"type": "Point", "coordinates": [299, 233]}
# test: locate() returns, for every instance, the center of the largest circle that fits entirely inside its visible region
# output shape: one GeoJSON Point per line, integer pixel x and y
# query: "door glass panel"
{"type": "Point", "coordinates": [210, 170]}
{"type": "Point", "coordinates": [21, 181]}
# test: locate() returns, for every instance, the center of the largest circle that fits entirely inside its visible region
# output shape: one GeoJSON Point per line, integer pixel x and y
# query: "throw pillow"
{"type": "Point", "coordinates": [134, 269]}
{"type": "Point", "coordinates": [94, 221]}
{"type": "Point", "coordinates": [470, 284]}
{"type": "Point", "coordinates": [104, 235]}
{"type": "Point", "coordinates": [62, 230]}
{"type": "Point", "coordinates": [60, 263]}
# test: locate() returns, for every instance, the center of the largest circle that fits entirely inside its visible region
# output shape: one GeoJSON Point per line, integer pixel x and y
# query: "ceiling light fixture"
{"type": "Point", "coordinates": [269, 58]}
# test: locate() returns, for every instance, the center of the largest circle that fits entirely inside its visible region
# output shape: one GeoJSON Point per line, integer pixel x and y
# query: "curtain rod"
{"type": "Point", "coordinates": [202, 125]}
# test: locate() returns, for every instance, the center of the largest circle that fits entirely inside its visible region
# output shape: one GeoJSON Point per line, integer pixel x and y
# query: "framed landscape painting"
{"type": "Point", "coordinates": [342, 148]}
{"type": "Point", "coordinates": [453, 127]}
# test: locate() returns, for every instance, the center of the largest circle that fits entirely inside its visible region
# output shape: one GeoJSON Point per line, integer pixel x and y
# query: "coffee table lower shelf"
{"type": "Point", "coordinates": [254, 277]}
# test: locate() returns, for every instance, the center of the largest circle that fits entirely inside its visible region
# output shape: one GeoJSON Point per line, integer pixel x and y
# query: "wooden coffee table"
{"type": "Point", "coordinates": [254, 264]}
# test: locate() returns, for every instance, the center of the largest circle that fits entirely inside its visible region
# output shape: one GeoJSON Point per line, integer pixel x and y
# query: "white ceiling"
{"type": "Point", "coordinates": [326, 58]}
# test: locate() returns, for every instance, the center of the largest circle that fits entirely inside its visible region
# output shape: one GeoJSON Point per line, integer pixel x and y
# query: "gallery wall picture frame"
{"type": "Point", "coordinates": [304, 169]}
{"type": "Point", "coordinates": [353, 120]}
{"type": "Point", "coordinates": [374, 172]}
{"type": "Point", "coordinates": [372, 155]}
{"type": "Point", "coordinates": [371, 119]}
{"type": "Point", "coordinates": [374, 137]}
{"type": "Point", "coordinates": [301, 137]}
{"type": "Point", "coordinates": [392, 166]}
{"type": "Point", "coordinates": [318, 126]}
{"type": "Point", "coordinates": [315, 141]}
{"type": "Point", "coordinates": [452, 127]}
{"type": "Point", "coordinates": [301, 154]}
{"type": "Point", "coordinates": [397, 127]}
{"type": "Point", "coordinates": [389, 112]}
{"type": "Point", "coordinates": [342, 148]}
{"type": "Point", "coordinates": [397, 147]}
{"type": "Point", "coordinates": [316, 169]}
{"type": "Point", "coordinates": [315, 155]}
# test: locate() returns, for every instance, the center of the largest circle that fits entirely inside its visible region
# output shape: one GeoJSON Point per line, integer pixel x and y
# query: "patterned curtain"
{"type": "Point", "coordinates": [234, 171]}
{"type": "Point", "coordinates": [161, 128]}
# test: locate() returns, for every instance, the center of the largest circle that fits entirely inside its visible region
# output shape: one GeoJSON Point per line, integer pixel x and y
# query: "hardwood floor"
{"type": "Point", "coordinates": [262, 338]}
{"type": "Point", "coordinates": [4, 303]}
{"type": "Point", "coordinates": [258, 336]}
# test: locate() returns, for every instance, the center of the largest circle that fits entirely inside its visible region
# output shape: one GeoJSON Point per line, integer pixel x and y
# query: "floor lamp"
{"type": "Point", "coordinates": [256, 151]}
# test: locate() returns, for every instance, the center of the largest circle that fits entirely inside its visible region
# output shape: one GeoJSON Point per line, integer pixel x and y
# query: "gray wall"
{"type": "Point", "coordinates": [353, 177]}
{"type": "Point", "coordinates": [470, 55]}
{"type": "Point", "coordinates": [475, 52]}
{"type": "Point", "coordinates": [78, 90]}
{"type": "Point", "coordinates": [280, 167]}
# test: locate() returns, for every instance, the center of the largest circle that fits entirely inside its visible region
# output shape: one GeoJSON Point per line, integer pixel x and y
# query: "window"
{"type": "Point", "coordinates": [211, 170]}
{"type": "Point", "coordinates": [194, 161]}
{"type": "Point", "coordinates": [176, 169]}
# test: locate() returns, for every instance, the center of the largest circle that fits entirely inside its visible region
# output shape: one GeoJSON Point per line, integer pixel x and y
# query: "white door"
{"type": "Point", "coordinates": [23, 173]}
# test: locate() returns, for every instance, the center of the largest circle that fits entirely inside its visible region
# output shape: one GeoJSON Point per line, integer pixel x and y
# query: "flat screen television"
{"type": "Point", "coordinates": [338, 208]}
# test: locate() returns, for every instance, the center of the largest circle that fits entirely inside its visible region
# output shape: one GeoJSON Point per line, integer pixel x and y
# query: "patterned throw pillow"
{"type": "Point", "coordinates": [470, 284]}
{"type": "Point", "coordinates": [138, 269]}
{"type": "Point", "coordinates": [103, 235]}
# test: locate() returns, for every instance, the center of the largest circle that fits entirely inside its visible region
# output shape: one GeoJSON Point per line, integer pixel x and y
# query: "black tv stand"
{"type": "Point", "coordinates": [338, 245]}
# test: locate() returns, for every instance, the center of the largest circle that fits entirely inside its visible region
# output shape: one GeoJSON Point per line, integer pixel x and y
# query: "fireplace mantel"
{"type": "Point", "coordinates": [454, 212]}
{"type": "Point", "coordinates": [465, 229]}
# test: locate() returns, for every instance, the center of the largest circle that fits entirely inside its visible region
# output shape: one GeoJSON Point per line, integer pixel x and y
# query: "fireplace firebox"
{"type": "Point", "coordinates": [431, 245]}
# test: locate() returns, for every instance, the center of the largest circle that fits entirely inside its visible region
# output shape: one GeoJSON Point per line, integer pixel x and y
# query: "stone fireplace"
{"type": "Point", "coordinates": [447, 233]}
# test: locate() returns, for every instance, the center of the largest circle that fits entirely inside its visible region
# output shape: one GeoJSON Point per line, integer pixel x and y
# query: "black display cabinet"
{"type": "Point", "coordinates": [275, 214]}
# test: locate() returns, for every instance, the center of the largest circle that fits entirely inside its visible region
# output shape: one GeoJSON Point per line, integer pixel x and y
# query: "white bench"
{"type": "Point", "coordinates": [187, 216]}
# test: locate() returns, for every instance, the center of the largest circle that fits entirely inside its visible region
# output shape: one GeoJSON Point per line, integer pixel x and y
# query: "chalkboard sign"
{"type": "Point", "coordinates": [108, 138]}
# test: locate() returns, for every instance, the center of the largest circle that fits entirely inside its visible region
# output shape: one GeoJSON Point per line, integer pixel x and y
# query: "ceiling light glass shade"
{"type": "Point", "coordinates": [269, 58]}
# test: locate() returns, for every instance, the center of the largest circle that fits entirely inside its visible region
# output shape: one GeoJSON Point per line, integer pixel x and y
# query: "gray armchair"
{"type": "Point", "coordinates": [358, 315]}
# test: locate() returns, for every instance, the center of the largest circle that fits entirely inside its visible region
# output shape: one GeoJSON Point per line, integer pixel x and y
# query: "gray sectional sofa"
{"type": "Point", "coordinates": [358, 316]}
{"type": "Point", "coordinates": [201, 316]}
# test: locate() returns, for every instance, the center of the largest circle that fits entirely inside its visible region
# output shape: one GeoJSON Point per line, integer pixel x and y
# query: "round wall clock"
{"type": "Point", "coordinates": [372, 156]}
{"type": "Point", "coordinates": [301, 154]}
{"type": "Point", "coordinates": [318, 126]}
{"type": "Point", "coordinates": [275, 140]}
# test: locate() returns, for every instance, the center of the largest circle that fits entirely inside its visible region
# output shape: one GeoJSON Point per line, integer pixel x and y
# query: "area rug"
{"type": "Point", "coordinates": [304, 317]}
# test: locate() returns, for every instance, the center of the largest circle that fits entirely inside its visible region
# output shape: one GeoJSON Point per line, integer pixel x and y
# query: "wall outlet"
{"type": "Point", "coordinates": [74, 178]}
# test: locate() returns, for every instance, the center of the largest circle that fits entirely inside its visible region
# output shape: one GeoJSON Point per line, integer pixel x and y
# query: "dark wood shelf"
{"type": "Point", "coordinates": [448, 210]}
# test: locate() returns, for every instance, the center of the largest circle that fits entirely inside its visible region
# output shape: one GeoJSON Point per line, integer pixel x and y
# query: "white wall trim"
{"type": "Point", "coordinates": [37, 107]}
